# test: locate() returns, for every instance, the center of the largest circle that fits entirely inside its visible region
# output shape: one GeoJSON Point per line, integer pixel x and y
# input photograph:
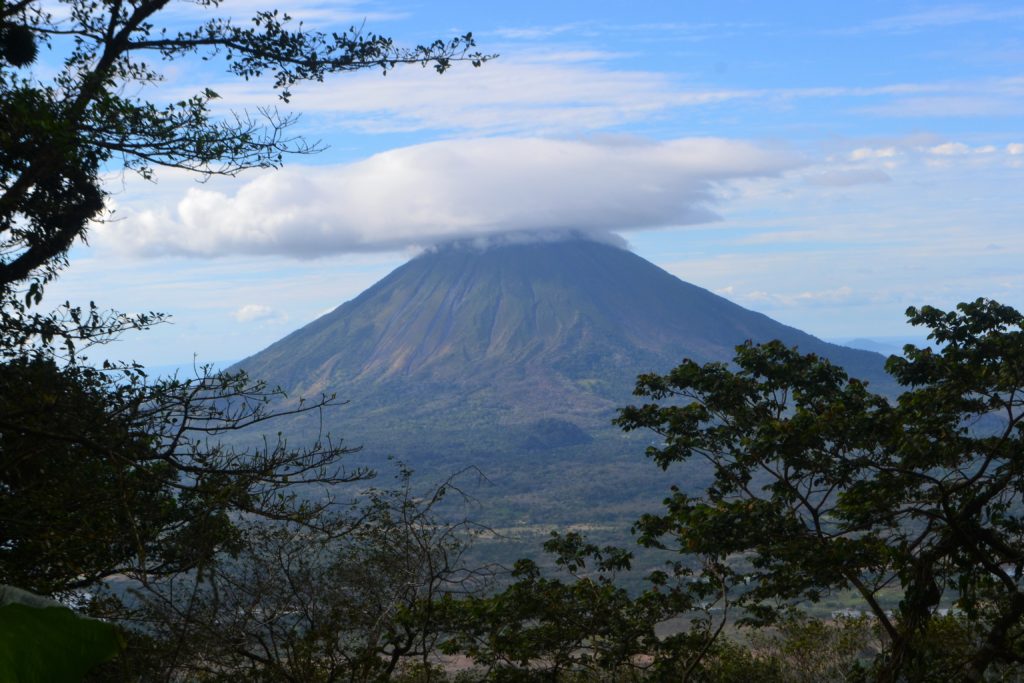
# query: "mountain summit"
{"type": "Point", "coordinates": [522, 331]}
{"type": "Point", "coordinates": [514, 358]}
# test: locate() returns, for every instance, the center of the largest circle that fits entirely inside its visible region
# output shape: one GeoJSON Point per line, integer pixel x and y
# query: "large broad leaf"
{"type": "Point", "coordinates": [42, 641]}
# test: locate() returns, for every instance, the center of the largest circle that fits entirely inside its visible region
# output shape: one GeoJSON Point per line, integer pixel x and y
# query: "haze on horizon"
{"type": "Point", "coordinates": [826, 166]}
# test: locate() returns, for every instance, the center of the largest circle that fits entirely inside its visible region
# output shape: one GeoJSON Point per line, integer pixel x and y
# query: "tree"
{"type": "Point", "coordinates": [361, 604]}
{"type": "Point", "coordinates": [102, 478]}
{"type": "Point", "coordinates": [821, 485]}
{"type": "Point", "coordinates": [102, 470]}
{"type": "Point", "coordinates": [590, 627]}
{"type": "Point", "coordinates": [59, 135]}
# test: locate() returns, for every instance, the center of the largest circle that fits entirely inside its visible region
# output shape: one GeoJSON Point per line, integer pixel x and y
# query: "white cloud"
{"type": "Point", "coordinates": [542, 93]}
{"type": "Point", "coordinates": [800, 298]}
{"type": "Point", "coordinates": [420, 195]}
{"type": "Point", "coordinates": [862, 153]}
{"type": "Point", "coordinates": [567, 91]}
{"type": "Point", "coordinates": [535, 32]}
{"type": "Point", "coordinates": [949, 149]}
{"type": "Point", "coordinates": [253, 312]}
{"type": "Point", "coordinates": [858, 165]}
{"type": "Point", "coordinates": [942, 16]}
{"type": "Point", "coordinates": [984, 101]}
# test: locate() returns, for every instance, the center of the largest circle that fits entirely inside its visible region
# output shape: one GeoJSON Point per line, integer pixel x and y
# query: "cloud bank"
{"type": "Point", "coordinates": [425, 194]}
{"type": "Point", "coordinates": [257, 312]}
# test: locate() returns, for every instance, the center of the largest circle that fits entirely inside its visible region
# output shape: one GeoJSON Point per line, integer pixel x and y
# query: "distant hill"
{"type": "Point", "coordinates": [888, 346]}
{"type": "Point", "coordinates": [514, 358]}
{"type": "Point", "coordinates": [883, 348]}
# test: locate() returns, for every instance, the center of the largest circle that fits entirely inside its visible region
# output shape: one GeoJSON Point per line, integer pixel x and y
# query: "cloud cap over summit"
{"type": "Point", "coordinates": [424, 194]}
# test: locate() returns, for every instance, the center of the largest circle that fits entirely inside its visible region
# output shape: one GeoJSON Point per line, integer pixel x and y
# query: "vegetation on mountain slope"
{"type": "Point", "coordinates": [465, 354]}
{"type": "Point", "coordinates": [819, 487]}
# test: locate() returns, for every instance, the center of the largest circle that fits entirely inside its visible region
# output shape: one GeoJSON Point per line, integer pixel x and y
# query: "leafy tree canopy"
{"type": "Point", "coordinates": [101, 477]}
{"type": "Point", "coordinates": [104, 471]}
{"type": "Point", "coordinates": [821, 485]}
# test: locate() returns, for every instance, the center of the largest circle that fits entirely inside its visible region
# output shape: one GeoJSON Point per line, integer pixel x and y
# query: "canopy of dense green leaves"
{"type": "Point", "coordinates": [821, 485]}
{"type": "Point", "coordinates": [103, 471]}
{"type": "Point", "coordinates": [913, 505]}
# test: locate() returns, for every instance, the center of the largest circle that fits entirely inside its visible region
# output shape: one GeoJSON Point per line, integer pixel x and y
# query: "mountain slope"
{"type": "Point", "coordinates": [514, 359]}
{"type": "Point", "coordinates": [538, 329]}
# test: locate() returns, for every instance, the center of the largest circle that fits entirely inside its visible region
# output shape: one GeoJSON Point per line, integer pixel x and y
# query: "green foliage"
{"type": "Point", "coordinates": [80, 486]}
{"type": "Point", "coordinates": [946, 646]}
{"type": "Point", "coordinates": [43, 642]}
{"type": "Point", "coordinates": [550, 433]}
{"type": "Point", "coordinates": [587, 628]}
{"type": "Point", "coordinates": [103, 473]}
{"type": "Point", "coordinates": [821, 485]}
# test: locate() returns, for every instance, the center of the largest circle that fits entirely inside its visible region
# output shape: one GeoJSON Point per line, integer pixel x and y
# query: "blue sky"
{"type": "Point", "coordinates": [828, 164]}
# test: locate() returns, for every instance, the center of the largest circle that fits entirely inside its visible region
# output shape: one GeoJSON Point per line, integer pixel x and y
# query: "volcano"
{"type": "Point", "coordinates": [514, 357]}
